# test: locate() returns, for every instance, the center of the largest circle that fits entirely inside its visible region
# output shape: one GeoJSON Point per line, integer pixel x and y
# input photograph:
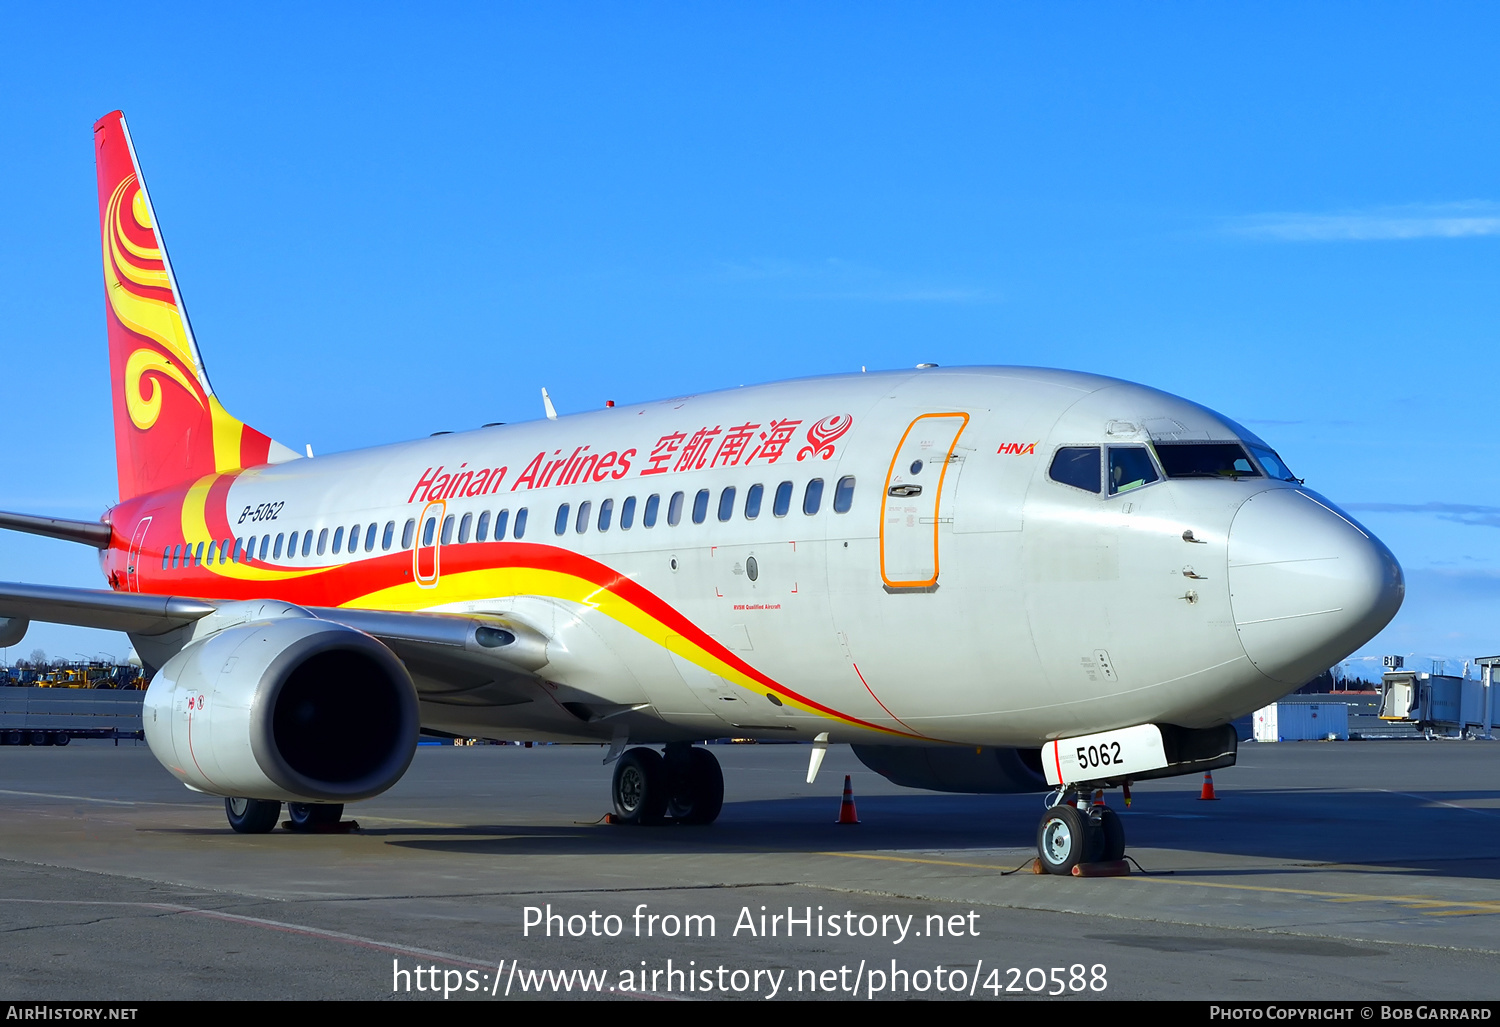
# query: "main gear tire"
{"type": "Point", "coordinates": [698, 796]}
{"type": "Point", "coordinates": [252, 816]}
{"type": "Point", "coordinates": [309, 816]}
{"type": "Point", "coordinates": [640, 788]}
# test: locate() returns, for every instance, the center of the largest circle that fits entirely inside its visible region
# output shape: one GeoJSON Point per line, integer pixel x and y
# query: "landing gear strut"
{"type": "Point", "coordinates": [1073, 832]}
{"type": "Point", "coordinates": [685, 786]}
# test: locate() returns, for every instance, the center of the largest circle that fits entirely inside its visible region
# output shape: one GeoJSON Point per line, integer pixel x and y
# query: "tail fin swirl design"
{"type": "Point", "coordinates": [169, 426]}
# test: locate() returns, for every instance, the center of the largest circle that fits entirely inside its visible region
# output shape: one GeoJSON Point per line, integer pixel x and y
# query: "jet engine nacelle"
{"type": "Point", "coordinates": [954, 768]}
{"type": "Point", "coordinates": [295, 708]}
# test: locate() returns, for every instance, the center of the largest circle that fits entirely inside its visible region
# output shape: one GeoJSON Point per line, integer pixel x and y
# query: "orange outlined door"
{"type": "Point", "coordinates": [133, 559]}
{"type": "Point", "coordinates": [912, 499]}
{"type": "Point", "coordinates": [426, 559]}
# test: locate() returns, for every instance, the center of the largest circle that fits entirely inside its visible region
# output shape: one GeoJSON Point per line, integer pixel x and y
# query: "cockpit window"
{"type": "Point", "coordinates": [1205, 460]}
{"type": "Point", "coordinates": [1077, 466]}
{"type": "Point", "coordinates": [1130, 467]}
{"type": "Point", "coordinates": [1272, 463]}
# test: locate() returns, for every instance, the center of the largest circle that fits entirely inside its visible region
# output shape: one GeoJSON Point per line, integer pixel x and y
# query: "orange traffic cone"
{"type": "Point", "coordinates": [847, 815]}
{"type": "Point", "coordinates": [1208, 787]}
{"type": "Point", "coordinates": [1099, 797]}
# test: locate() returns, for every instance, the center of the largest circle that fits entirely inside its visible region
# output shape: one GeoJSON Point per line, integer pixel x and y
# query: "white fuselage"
{"type": "Point", "coordinates": [994, 606]}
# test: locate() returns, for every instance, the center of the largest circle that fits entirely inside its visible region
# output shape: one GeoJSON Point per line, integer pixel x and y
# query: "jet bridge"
{"type": "Point", "coordinates": [1441, 704]}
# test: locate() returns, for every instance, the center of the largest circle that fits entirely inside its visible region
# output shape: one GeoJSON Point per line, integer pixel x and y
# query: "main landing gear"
{"type": "Point", "coordinates": [1074, 832]}
{"type": "Point", "coordinates": [259, 816]}
{"type": "Point", "coordinates": [685, 786]}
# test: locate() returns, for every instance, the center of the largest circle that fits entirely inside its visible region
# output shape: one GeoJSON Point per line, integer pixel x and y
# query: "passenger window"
{"type": "Point", "coordinates": [753, 497]}
{"type": "Point", "coordinates": [520, 523]}
{"type": "Point", "coordinates": [429, 531]}
{"type": "Point", "coordinates": [482, 529]}
{"type": "Point", "coordinates": [584, 509]}
{"type": "Point", "coordinates": [323, 540]}
{"type": "Point", "coordinates": [370, 538]}
{"type": "Point", "coordinates": [726, 503]}
{"type": "Point", "coordinates": [627, 513]}
{"type": "Point", "coordinates": [198, 556]}
{"type": "Point", "coordinates": [212, 548]}
{"type": "Point", "coordinates": [843, 496]}
{"type": "Point", "coordinates": [276, 552]}
{"type": "Point", "coordinates": [226, 551]}
{"type": "Point", "coordinates": [250, 548]}
{"type": "Point", "coordinates": [1129, 468]}
{"type": "Point", "coordinates": [700, 506]}
{"type": "Point", "coordinates": [447, 529]}
{"type": "Point", "coordinates": [463, 528]}
{"type": "Point", "coordinates": [653, 503]}
{"type": "Point", "coordinates": [291, 547]}
{"type": "Point", "coordinates": [239, 550]}
{"type": "Point", "coordinates": [812, 497]}
{"type": "Point", "coordinates": [606, 511]}
{"type": "Point", "coordinates": [674, 509]}
{"type": "Point", "coordinates": [407, 531]}
{"type": "Point", "coordinates": [1077, 466]}
{"type": "Point", "coordinates": [307, 539]}
{"type": "Point", "coordinates": [176, 556]}
{"type": "Point", "coordinates": [783, 501]}
{"type": "Point", "coordinates": [166, 557]}
{"type": "Point", "coordinates": [338, 540]}
{"type": "Point", "coordinates": [500, 521]}
{"type": "Point", "coordinates": [561, 524]}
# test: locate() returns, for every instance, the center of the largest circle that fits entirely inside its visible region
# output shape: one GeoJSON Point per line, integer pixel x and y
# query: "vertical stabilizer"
{"type": "Point", "coordinates": [169, 426]}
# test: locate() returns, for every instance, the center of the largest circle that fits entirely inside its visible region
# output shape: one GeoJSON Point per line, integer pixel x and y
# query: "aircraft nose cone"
{"type": "Point", "coordinates": [1307, 585]}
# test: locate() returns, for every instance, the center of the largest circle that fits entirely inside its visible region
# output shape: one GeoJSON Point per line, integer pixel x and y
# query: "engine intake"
{"type": "Point", "coordinates": [293, 708]}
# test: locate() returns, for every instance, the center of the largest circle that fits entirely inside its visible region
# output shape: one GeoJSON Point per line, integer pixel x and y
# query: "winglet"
{"type": "Point", "coordinates": [547, 403]}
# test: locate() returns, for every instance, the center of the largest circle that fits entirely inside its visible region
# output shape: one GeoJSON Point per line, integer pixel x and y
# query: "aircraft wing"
{"type": "Point", "coordinates": [100, 608]}
{"type": "Point", "coordinates": [459, 658]}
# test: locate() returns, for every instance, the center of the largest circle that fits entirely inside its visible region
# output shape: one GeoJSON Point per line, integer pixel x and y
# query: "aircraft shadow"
{"type": "Point", "coordinates": [1445, 834]}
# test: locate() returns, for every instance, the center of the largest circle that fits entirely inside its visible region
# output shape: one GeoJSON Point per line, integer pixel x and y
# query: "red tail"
{"type": "Point", "coordinates": [169, 427]}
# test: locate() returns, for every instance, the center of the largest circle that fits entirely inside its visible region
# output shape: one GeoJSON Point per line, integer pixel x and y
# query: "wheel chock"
{"type": "Point", "coordinates": [1113, 868]}
{"type": "Point", "coordinates": [1037, 868]}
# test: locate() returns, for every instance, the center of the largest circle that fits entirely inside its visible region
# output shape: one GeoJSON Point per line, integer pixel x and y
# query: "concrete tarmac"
{"type": "Point", "coordinates": [1354, 870]}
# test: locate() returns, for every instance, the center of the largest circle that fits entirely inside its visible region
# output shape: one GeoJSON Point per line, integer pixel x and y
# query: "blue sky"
{"type": "Point", "coordinates": [389, 220]}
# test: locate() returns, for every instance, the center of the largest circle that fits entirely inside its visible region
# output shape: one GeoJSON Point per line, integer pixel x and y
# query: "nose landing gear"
{"type": "Point", "coordinates": [1072, 833]}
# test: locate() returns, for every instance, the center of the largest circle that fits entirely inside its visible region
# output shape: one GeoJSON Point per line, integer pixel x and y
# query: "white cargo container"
{"type": "Point", "coordinates": [1302, 722]}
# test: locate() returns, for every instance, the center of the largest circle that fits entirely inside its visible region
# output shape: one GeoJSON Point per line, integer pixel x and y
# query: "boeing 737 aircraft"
{"type": "Point", "coordinates": [984, 579]}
